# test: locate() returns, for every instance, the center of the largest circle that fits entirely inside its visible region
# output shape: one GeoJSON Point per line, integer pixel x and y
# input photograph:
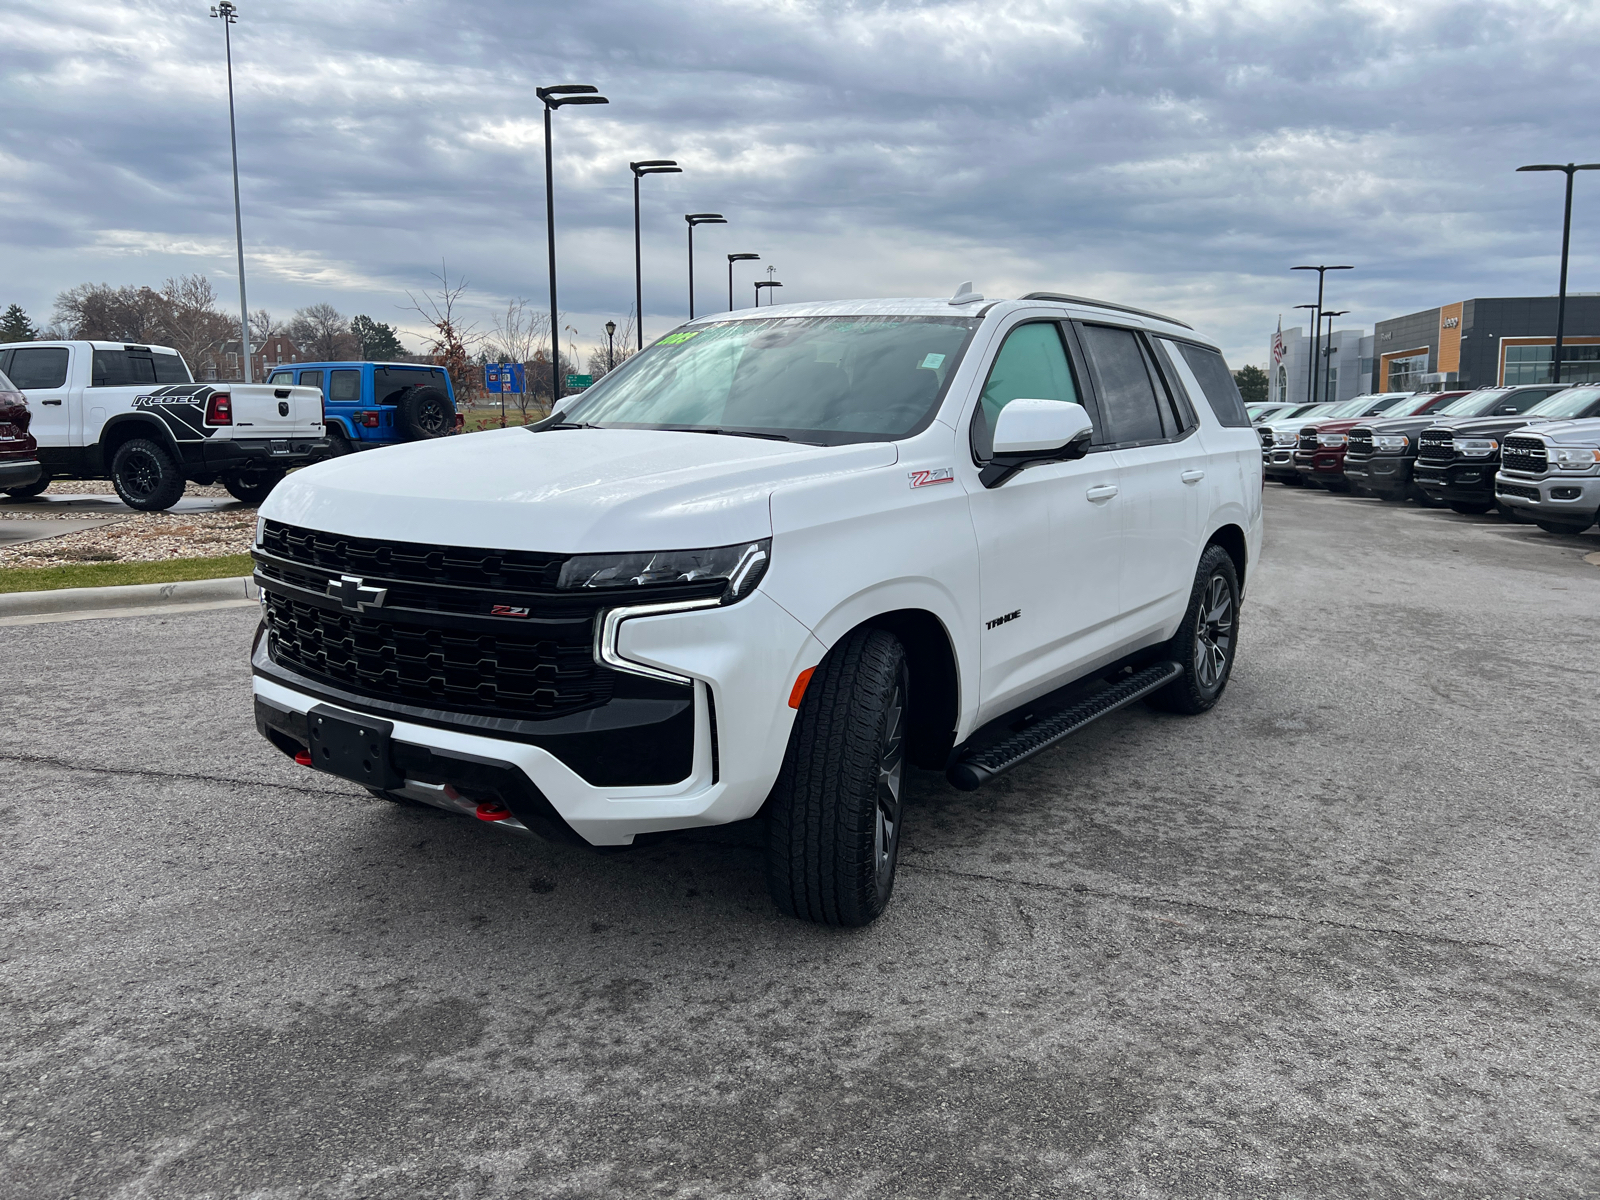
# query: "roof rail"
{"type": "Point", "coordinates": [1141, 312]}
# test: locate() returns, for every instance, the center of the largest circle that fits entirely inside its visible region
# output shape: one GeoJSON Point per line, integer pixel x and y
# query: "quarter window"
{"type": "Point", "coordinates": [1222, 393]}
{"type": "Point", "coordinates": [308, 378]}
{"type": "Point", "coordinates": [344, 387]}
{"type": "Point", "coordinates": [1032, 364]}
{"type": "Point", "coordinates": [1123, 386]}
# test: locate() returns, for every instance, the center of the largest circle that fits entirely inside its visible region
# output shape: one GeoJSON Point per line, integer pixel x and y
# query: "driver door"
{"type": "Point", "coordinates": [1047, 537]}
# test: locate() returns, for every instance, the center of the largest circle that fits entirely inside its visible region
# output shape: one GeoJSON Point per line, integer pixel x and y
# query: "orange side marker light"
{"type": "Point", "coordinates": [798, 692]}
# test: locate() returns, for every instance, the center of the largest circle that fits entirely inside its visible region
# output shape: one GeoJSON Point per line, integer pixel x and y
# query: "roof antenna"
{"type": "Point", "coordinates": [965, 294]}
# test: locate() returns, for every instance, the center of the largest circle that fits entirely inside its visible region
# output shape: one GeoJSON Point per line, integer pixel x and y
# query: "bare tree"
{"type": "Point", "coordinates": [98, 311]}
{"type": "Point", "coordinates": [603, 360]}
{"type": "Point", "coordinates": [322, 332]}
{"type": "Point", "coordinates": [522, 336]}
{"type": "Point", "coordinates": [450, 339]}
{"type": "Point", "coordinates": [262, 327]}
{"type": "Point", "coordinates": [191, 324]}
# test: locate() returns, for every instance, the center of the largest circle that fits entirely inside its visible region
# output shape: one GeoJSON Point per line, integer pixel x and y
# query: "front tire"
{"type": "Point", "coordinates": [1208, 639]}
{"type": "Point", "coordinates": [252, 487]}
{"type": "Point", "coordinates": [1470, 510]}
{"type": "Point", "coordinates": [1562, 528]}
{"type": "Point", "coordinates": [836, 812]}
{"type": "Point", "coordinates": [146, 476]}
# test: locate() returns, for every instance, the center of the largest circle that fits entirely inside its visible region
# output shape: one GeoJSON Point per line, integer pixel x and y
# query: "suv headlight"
{"type": "Point", "coordinates": [741, 565]}
{"type": "Point", "coordinates": [1330, 439]}
{"type": "Point", "coordinates": [1391, 441]}
{"type": "Point", "coordinates": [1574, 458]}
{"type": "Point", "coordinates": [1476, 447]}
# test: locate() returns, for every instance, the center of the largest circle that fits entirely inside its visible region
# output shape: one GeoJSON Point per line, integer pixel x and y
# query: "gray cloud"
{"type": "Point", "coordinates": [1181, 155]}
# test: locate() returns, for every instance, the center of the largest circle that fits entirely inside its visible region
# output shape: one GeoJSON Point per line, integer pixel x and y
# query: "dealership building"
{"type": "Point", "coordinates": [1346, 365]}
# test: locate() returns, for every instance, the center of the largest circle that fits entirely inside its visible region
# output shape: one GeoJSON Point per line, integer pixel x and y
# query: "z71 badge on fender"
{"type": "Point", "coordinates": [936, 475]}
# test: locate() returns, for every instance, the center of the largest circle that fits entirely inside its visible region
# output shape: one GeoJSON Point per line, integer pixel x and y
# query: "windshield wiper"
{"type": "Point", "coordinates": [572, 425]}
{"type": "Point", "coordinates": [771, 437]}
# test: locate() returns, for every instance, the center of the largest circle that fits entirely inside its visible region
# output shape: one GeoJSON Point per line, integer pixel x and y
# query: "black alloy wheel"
{"type": "Point", "coordinates": [426, 413]}
{"type": "Point", "coordinates": [1208, 639]}
{"type": "Point", "coordinates": [145, 475]}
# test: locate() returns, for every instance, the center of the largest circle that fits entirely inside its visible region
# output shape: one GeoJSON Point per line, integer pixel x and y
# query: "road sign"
{"type": "Point", "coordinates": [504, 378]}
{"type": "Point", "coordinates": [578, 382]}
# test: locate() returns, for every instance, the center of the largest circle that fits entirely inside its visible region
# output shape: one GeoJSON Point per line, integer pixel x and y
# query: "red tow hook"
{"type": "Point", "coordinates": [493, 810]}
{"type": "Point", "coordinates": [303, 757]}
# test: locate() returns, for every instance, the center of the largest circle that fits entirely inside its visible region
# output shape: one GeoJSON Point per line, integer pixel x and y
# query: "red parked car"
{"type": "Point", "coordinates": [1319, 454]}
{"type": "Point", "coordinates": [19, 453]}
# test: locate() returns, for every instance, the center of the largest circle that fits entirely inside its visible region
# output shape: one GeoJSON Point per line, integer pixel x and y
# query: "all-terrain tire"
{"type": "Point", "coordinates": [426, 413]}
{"type": "Point", "coordinates": [1207, 640]}
{"type": "Point", "coordinates": [252, 486]}
{"type": "Point", "coordinates": [146, 476]}
{"type": "Point", "coordinates": [338, 442]}
{"type": "Point", "coordinates": [1470, 510]}
{"type": "Point", "coordinates": [24, 490]}
{"type": "Point", "coordinates": [835, 815]}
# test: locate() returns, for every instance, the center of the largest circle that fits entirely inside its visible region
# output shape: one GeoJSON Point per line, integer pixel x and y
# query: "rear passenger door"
{"type": "Point", "coordinates": [40, 373]}
{"type": "Point", "coordinates": [1161, 463]}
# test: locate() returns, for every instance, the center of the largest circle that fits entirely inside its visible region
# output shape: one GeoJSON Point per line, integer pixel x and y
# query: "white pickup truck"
{"type": "Point", "coordinates": [134, 415]}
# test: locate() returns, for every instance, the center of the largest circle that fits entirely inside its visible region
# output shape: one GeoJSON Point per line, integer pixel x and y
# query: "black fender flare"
{"type": "Point", "coordinates": [131, 425]}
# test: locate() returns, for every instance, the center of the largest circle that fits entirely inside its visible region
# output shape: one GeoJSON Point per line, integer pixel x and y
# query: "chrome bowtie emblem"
{"type": "Point", "coordinates": [352, 592]}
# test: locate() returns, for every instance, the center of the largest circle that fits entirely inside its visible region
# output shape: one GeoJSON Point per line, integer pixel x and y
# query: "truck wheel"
{"type": "Point", "coordinates": [252, 487]}
{"type": "Point", "coordinates": [1470, 510]}
{"type": "Point", "coordinates": [1561, 528]}
{"type": "Point", "coordinates": [425, 413]}
{"type": "Point", "coordinates": [145, 476]}
{"type": "Point", "coordinates": [1422, 498]}
{"type": "Point", "coordinates": [835, 814]}
{"type": "Point", "coordinates": [1208, 639]}
{"type": "Point", "coordinates": [338, 443]}
{"type": "Point", "coordinates": [23, 490]}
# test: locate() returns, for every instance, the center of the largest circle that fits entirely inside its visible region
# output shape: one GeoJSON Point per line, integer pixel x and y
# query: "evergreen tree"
{"type": "Point", "coordinates": [15, 326]}
{"type": "Point", "coordinates": [378, 339]}
{"type": "Point", "coordinates": [1252, 383]}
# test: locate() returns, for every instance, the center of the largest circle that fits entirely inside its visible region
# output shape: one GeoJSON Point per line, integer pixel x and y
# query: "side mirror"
{"type": "Point", "coordinates": [1031, 432]}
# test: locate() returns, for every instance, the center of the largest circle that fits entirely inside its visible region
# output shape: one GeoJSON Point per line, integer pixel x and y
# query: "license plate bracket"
{"type": "Point", "coordinates": [353, 747]}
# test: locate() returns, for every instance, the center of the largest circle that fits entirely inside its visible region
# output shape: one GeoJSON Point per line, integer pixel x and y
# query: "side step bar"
{"type": "Point", "coordinates": [976, 768]}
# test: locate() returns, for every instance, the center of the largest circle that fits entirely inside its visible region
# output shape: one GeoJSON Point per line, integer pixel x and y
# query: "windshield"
{"type": "Point", "coordinates": [1471, 404]}
{"type": "Point", "coordinates": [1350, 408]}
{"type": "Point", "coordinates": [808, 379]}
{"type": "Point", "coordinates": [1573, 403]}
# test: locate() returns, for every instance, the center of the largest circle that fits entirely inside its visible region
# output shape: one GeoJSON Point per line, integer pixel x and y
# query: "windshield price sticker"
{"type": "Point", "coordinates": [673, 339]}
{"type": "Point", "coordinates": [932, 362]}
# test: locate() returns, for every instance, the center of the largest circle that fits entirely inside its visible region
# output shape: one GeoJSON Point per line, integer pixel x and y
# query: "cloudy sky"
{"type": "Point", "coordinates": [1176, 155]}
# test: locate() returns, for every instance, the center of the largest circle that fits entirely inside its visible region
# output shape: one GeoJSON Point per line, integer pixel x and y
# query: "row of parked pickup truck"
{"type": "Point", "coordinates": [1530, 452]}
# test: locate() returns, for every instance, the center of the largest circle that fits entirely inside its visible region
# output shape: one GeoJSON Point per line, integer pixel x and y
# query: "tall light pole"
{"type": "Point", "coordinates": [1566, 237]}
{"type": "Point", "coordinates": [698, 219]}
{"type": "Point", "coordinates": [554, 98]}
{"type": "Point", "coordinates": [228, 15]}
{"type": "Point", "coordinates": [611, 346]}
{"type": "Point", "coordinates": [1316, 326]}
{"type": "Point", "coordinates": [1328, 351]}
{"type": "Point", "coordinates": [765, 283]}
{"type": "Point", "coordinates": [1315, 323]}
{"type": "Point", "coordinates": [649, 166]}
{"type": "Point", "coordinates": [733, 258]}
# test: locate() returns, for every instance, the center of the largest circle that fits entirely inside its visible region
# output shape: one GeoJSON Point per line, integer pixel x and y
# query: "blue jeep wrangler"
{"type": "Point", "coordinates": [371, 404]}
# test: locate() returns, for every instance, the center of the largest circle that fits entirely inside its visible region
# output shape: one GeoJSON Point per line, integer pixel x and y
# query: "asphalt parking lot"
{"type": "Point", "coordinates": [1336, 938]}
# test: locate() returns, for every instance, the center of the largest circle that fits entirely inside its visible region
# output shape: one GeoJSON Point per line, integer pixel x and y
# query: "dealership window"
{"type": "Point", "coordinates": [1283, 385]}
{"type": "Point", "coordinates": [1332, 390]}
{"type": "Point", "coordinates": [1405, 374]}
{"type": "Point", "coordinates": [1531, 364]}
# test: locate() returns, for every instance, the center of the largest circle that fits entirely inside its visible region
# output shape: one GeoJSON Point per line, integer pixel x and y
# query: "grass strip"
{"type": "Point", "coordinates": [115, 574]}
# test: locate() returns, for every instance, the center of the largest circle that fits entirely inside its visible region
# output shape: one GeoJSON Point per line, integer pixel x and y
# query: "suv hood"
{"type": "Point", "coordinates": [562, 491]}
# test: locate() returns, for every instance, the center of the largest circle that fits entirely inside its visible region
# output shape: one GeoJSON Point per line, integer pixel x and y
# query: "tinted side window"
{"type": "Point", "coordinates": [141, 368]}
{"type": "Point", "coordinates": [1123, 385]}
{"type": "Point", "coordinates": [284, 376]}
{"type": "Point", "coordinates": [170, 368]}
{"type": "Point", "coordinates": [1523, 401]}
{"type": "Point", "coordinates": [344, 387]}
{"type": "Point", "coordinates": [1222, 393]}
{"type": "Point", "coordinates": [38, 367]}
{"type": "Point", "coordinates": [387, 382]}
{"type": "Point", "coordinates": [307, 378]}
{"type": "Point", "coordinates": [440, 380]}
{"type": "Point", "coordinates": [1032, 364]}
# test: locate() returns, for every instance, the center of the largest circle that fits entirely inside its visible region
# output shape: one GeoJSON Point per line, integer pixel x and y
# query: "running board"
{"type": "Point", "coordinates": [974, 769]}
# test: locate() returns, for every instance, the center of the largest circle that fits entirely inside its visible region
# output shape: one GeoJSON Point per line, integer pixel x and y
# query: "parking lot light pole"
{"type": "Point", "coordinates": [698, 219]}
{"type": "Point", "coordinates": [1316, 326]}
{"type": "Point", "coordinates": [766, 283]}
{"type": "Point", "coordinates": [1315, 323]}
{"type": "Point", "coordinates": [228, 15]}
{"type": "Point", "coordinates": [1328, 350]}
{"type": "Point", "coordinates": [1569, 169]}
{"type": "Point", "coordinates": [649, 166]}
{"type": "Point", "coordinates": [554, 98]}
{"type": "Point", "coordinates": [611, 346]}
{"type": "Point", "coordinates": [733, 258]}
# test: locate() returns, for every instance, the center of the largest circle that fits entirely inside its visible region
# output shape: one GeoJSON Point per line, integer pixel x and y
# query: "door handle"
{"type": "Point", "coordinates": [1192, 476]}
{"type": "Point", "coordinates": [49, 402]}
{"type": "Point", "coordinates": [1102, 491]}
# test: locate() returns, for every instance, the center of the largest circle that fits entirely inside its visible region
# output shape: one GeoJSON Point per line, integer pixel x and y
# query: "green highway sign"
{"type": "Point", "coordinates": [579, 382]}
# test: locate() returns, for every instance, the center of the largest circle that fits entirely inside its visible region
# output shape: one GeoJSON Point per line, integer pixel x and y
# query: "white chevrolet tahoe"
{"type": "Point", "coordinates": [763, 566]}
{"type": "Point", "coordinates": [135, 416]}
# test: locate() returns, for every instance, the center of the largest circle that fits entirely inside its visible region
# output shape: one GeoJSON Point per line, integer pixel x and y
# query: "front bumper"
{"type": "Point", "coordinates": [1322, 465]}
{"type": "Point", "coordinates": [19, 472]}
{"type": "Point", "coordinates": [1279, 462]}
{"type": "Point", "coordinates": [1384, 474]}
{"type": "Point", "coordinates": [1553, 497]}
{"type": "Point", "coordinates": [237, 453]}
{"type": "Point", "coordinates": [1458, 483]}
{"type": "Point", "coordinates": [742, 660]}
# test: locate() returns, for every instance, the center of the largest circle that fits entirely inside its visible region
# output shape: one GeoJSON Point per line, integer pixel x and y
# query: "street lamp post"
{"type": "Point", "coordinates": [611, 346]}
{"type": "Point", "coordinates": [698, 219]}
{"type": "Point", "coordinates": [228, 15]}
{"type": "Point", "coordinates": [733, 258]}
{"type": "Point", "coordinates": [650, 166]}
{"type": "Point", "coordinates": [767, 283]}
{"type": "Point", "coordinates": [1566, 237]}
{"type": "Point", "coordinates": [554, 98]}
{"type": "Point", "coordinates": [1316, 326]}
{"type": "Point", "coordinates": [1327, 351]}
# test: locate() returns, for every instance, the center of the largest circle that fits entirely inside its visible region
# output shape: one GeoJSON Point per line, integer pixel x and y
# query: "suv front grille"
{"type": "Point", "coordinates": [413, 562]}
{"type": "Point", "coordinates": [1436, 445]}
{"type": "Point", "coordinates": [1524, 454]}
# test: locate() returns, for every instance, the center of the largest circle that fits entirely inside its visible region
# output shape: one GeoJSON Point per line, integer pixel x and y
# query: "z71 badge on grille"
{"type": "Point", "coordinates": [937, 475]}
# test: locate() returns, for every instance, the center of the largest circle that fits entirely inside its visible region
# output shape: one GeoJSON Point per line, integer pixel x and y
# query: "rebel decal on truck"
{"type": "Point", "coordinates": [181, 407]}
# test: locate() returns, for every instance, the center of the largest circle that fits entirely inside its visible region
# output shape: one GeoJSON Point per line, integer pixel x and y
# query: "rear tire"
{"type": "Point", "coordinates": [253, 486]}
{"type": "Point", "coordinates": [1470, 510]}
{"type": "Point", "coordinates": [145, 475]}
{"type": "Point", "coordinates": [24, 490]}
{"type": "Point", "coordinates": [338, 442]}
{"type": "Point", "coordinates": [426, 413]}
{"type": "Point", "coordinates": [1208, 639]}
{"type": "Point", "coordinates": [835, 815]}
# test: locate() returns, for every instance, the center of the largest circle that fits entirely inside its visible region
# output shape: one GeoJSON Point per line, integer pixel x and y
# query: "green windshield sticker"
{"type": "Point", "coordinates": [672, 339]}
{"type": "Point", "coordinates": [933, 362]}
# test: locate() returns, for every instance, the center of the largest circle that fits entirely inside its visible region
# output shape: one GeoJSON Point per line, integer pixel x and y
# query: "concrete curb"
{"type": "Point", "coordinates": [138, 595]}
